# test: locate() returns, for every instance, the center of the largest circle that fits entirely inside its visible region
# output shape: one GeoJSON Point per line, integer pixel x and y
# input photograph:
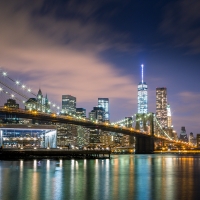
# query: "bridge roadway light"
{"type": "Point", "coordinates": [4, 74]}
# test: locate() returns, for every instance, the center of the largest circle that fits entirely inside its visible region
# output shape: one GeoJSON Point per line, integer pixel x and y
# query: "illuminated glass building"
{"type": "Point", "coordinates": [161, 106]}
{"type": "Point", "coordinates": [142, 96]}
{"type": "Point", "coordinates": [104, 103]}
{"type": "Point", "coordinates": [69, 104]}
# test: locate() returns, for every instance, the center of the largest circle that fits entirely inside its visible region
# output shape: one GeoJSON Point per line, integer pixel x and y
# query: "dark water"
{"type": "Point", "coordinates": [122, 177]}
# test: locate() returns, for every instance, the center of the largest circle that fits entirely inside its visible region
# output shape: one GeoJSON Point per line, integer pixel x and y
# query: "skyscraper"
{"type": "Point", "coordinates": [104, 103]}
{"type": "Point", "coordinates": [198, 140]}
{"type": "Point", "coordinates": [183, 135]}
{"type": "Point", "coordinates": [169, 117]}
{"type": "Point", "coordinates": [142, 96]}
{"type": "Point", "coordinates": [69, 104]}
{"type": "Point", "coordinates": [98, 113]}
{"type": "Point", "coordinates": [161, 106]}
{"type": "Point", "coordinates": [191, 138]}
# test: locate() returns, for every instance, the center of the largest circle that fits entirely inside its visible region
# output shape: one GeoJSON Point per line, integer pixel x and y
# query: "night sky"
{"type": "Point", "coordinates": [92, 49]}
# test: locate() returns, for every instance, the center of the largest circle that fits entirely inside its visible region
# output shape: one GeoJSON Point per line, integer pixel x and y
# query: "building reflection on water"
{"type": "Point", "coordinates": [122, 177]}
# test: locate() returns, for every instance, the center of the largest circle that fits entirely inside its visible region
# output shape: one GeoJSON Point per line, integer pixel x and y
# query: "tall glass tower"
{"type": "Point", "coordinates": [142, 96]}
{"type": "Point", "coordinates": [104, 103]}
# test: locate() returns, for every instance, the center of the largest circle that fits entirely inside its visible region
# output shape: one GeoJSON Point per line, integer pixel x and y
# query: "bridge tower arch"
{"type": "Point", "coordinates": [145, 143]}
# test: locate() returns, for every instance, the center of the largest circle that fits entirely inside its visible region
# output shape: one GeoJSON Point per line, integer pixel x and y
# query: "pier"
{"type": "Point", "coordinates": [8, 154]}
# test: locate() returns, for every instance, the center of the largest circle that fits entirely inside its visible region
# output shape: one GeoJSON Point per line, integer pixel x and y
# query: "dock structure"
{"type": "Point", "coordinates": [7, 154]}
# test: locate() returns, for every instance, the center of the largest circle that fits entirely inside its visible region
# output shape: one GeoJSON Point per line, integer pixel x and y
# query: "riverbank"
{"type": "Point", "coordinates": [9, 154]}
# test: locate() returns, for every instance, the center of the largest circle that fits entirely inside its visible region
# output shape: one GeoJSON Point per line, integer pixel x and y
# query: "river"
{"type": "Point", "coordinates": [138, 177]}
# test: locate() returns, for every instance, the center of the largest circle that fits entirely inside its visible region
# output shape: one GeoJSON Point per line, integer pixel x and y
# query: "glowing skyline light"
{"type": "Point", "coordinates": [142, 95]}
{"type": "Point", "coordinates": [142, 66]}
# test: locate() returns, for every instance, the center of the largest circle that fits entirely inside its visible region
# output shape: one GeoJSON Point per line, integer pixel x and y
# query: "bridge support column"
{"type": "Point", "coordinates": [144, 145]}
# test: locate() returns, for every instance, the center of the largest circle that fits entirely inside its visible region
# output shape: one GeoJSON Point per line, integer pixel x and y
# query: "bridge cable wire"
{"type": "Point", "coordinates": [20, 94]}
{"type": "Point", "coordinates": [4, 74]}
{"type": "Point", "coordinates": [162, 129]}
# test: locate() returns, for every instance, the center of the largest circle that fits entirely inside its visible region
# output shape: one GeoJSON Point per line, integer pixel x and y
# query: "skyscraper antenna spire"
{"type": "Point", "coordinates": [142, 71]}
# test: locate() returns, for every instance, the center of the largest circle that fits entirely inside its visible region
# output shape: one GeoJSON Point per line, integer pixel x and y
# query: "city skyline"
{"type": "Point", "coordinates": [93, 50]}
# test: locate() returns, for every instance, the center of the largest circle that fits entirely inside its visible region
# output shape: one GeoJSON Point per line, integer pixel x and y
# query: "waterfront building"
{"type": "Point", "coordinates": [81, 112]}
{"type": "Point", "coordinates": [142, 96]}
{"type": "Point", "coordinates": [106, 139]}
{"type": "Point", "coordinates": [69, 104]}
{"type": "Point", "coordinates": [67, 135]}
{"type": "Point", "coordinates": [183, 134]}
{"type": "Point", "coordinates": [104, 103]}
{"type": "Point", "coordinates": [161, 106]}
{"type": "Point", "coordinates": [11, 103]}
{"type": "Point", "coordinates": [24, 137]}
{"type": "Point", "coordinates": [94, 138]}
{"type": "Point", "coordinates": [82, 136]}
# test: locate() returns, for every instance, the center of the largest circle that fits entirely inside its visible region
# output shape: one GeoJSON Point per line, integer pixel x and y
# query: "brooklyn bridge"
{"type": "Point", "coordinates": [48, 127]}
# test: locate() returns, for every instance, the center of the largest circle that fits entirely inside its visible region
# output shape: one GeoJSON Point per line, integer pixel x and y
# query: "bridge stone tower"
{"type": "Point", "coordinates": [145, 144]}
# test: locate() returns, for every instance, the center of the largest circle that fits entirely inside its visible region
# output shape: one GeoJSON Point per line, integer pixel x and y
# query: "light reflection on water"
{"type": "Point", "coordinates": [122, 177]}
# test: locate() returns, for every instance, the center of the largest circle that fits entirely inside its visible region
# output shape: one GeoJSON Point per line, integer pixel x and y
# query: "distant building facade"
{"type": "Point", "coordinates": [39, 104]}
{"type": "Point", "coordinates": [183, 134]}
{"type": "Point", "coordinates": [198, 140]}
{"type": "Point", "coordinates": [104, 103]}
{"type": "Point", "coordinates": [81, 112]}
{"type": "Point", "coordinates": [191, 138]}
{"type": "Point", "coordinates": [69, 104]}
{"type": "Point", "coordinates": [97, 114]}
{"type": "Point", "coordinates": [11, 103]}
{"type": "Point", "coordinates": [161, 106]}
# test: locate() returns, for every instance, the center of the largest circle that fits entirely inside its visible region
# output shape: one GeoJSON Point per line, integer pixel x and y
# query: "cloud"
{"type": "Point", "coordinates": [181, 21]}
{"type": "Point", "coordinates": [61, 55]}
{"type": "Point", "coordinates": [186, 110]}
{"type": "Point", "coordinates": [77, 28]}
